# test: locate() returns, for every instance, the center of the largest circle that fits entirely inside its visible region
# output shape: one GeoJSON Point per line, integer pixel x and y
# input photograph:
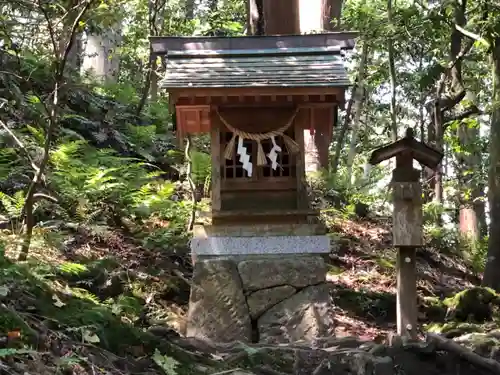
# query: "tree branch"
{"type": "Point", "coordinates": [473, 36]}
{"type": "Point", "coordinates": [49, 26]}
{"type": "Point", "coordinates": [472, 110]}
{"type": "Point", "coordinates": [20, 144]}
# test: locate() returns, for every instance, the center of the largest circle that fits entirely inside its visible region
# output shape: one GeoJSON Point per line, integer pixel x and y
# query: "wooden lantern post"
{"type": "Point", "coordinates": [407, 220]}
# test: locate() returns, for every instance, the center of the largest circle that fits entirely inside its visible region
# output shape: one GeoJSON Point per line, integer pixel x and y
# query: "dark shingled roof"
{"type": "Point", "coordinates": [290, 61]}
{"type": "Point", "coordinates": [259, 68]}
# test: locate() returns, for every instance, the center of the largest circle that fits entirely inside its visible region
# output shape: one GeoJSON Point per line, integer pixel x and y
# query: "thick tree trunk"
{"type": "Point", "coordinates": [100, 55]}
{"type": "Point", "coordinates": [491, 273]}
{"type": "Point", "coordinates": [318, 16]}
{"type": "Point", "coordinates": [281, 17]}
{"type": "Point", "coordinates": [472, 216]}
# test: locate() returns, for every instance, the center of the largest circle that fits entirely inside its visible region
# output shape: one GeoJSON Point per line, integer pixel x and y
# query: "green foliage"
{"type": "Point", "coordinates": [474, 252]}
{"type": "Point", "coordinates": [202, 167]}
{"type": "Point", "coordinates": [433, 212]}
{"type": "Point", "coordinates": [166, 363]}
{"type": "Point", "coordinates": [72, 268]}
{"type": "Point", "coordinates": [12, 205]}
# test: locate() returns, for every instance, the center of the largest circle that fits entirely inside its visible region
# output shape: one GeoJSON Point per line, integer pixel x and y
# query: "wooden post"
{"type": "Point", "coordinates": [302, 199]}
{"type": "Point", "coordinates": [407, 220]}
{"type": "Point", "coordinates": [407, 235]}
{"type": "Point", "coordinates": [406, 308]}
{"type": "Point", "coordinates": [215, 150]}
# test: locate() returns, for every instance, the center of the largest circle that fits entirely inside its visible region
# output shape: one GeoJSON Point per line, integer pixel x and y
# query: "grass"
{"type": "Point", "coordinates": [69, 309]}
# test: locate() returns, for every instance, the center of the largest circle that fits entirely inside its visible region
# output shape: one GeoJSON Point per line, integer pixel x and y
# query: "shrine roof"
{"type": "Point", "coordinates": [270, 61]}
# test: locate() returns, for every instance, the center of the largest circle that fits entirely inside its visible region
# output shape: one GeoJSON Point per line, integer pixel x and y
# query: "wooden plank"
{"type": "Point", "coordinates": [406, 307]}
{"type": "Point", "coordinates": [263, 183]}
{"type": "Point", "coordinates": [283, 91]}
{"type": "Point", "coordinates": [300, 123]}
{"type": "Point", "coordinates": [407, 215]}
{"type": "Point", "coordinates": [255, 201]}
{"type": "Point", "coordinates": [163, 45]}
{"type": "Point", "coordinates": [262, 101]}
{"type": "Point", "coordinates": [216, 152]}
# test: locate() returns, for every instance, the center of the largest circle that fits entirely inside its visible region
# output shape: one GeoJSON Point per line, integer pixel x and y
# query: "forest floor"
{"type": "Point", "coordinates": [108, 306]}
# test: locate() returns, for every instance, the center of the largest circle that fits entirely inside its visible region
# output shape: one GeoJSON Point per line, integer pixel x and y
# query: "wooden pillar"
{"type": "Point", "coordinates": [406, 308]}
{"type": "Point", "coordinates": [302, 199]}
{"type": "Point", "coordinates": [407, 236]}
{"type": "Point", "coordinates": [215, 150]}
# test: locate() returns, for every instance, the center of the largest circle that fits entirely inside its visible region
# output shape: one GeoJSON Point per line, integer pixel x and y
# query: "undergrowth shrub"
{"type": "Point", "coordinates": [99, 184]}
{"type": "Point", "coordinates": [342, 194]}
{"type": "Point", "coordinates": [448, 239]}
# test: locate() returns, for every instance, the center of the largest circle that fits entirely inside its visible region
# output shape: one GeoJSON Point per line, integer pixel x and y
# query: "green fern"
{"type": "Point", "coordinates": [9, 352]}
{"type": "Point", "coordinates": [13, 205]}
{"type": "Point", "coordinates": [73, 268]}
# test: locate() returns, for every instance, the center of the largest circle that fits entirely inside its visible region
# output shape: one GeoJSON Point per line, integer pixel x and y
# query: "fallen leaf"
{"type": "Point", "coordinates": [90, 337]}
{"type": "Point", "coordinates": [57, 301]}
{"type": "Point", "coordinates": [4, 290]}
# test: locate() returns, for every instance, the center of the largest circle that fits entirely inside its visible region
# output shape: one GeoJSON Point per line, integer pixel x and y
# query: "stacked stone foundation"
{"type": "Point", "coordinates": [266, 287]}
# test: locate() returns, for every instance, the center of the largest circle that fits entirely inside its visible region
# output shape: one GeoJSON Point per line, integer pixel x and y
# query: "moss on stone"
{"type": "Point", "coordinates": [477, 304]}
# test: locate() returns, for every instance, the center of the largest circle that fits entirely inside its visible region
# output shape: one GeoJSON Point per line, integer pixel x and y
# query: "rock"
{"type": "Point", "coordinates": [383, 366]}
{"type": "Point", "coordinates": [472, 305]}
{"type": "Point", "coordinates": [306, 315]}
{"type": "Point", "coordinates": [262, 300]}
{"type": "Point", "coordinates": [367, 364]}
{"type": "Point", "coordinates": [333, 343]}
{"type": "Point", "coordinates": [217, 307]}
{"type": "Point", "coordinates": [163, 332]}
{"type": "Point", "coordinates": [298, 272]}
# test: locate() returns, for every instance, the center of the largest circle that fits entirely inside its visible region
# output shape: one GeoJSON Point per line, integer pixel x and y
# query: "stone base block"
{"type": "Point", "coordinates": [305, 316]}
{"type": "Point", "coordinates": [218, 309]}
{"type": "Point", "coordinates": [264, 299]}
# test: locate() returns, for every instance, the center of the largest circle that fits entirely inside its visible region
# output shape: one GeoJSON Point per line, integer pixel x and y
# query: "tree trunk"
{"type": "Point", "coordinates": [491, 274]}
{"type": "Point", "coordinates": [155, 18]}
{"type": "Point", "coordinates": [332, 10]}
{"type": "Point", "coordinates": [255, 17]}
{"type": "Point", "coordinates": [281, 17]}
{"type": "Point", "coordinates": [471, 206]}
{"type": "Point", "coordinates": [357, 108]}
{"type": "Point", "coordinates": [356, 96]}
{"type": "Point", "coordinates": [75, 55]}
{"type": "Point", "coordinates": [472, 217]}
{"type": "Point", "coordinates": [99, 54]}
{"type": "Point", "coordinates": [339, 144]}
{"type": "Point", "coordinates": [317, 16]}
{"type": "Point", "coordinates": [189, 9]}
{"type": "Point", "coordinates": [392, 75]}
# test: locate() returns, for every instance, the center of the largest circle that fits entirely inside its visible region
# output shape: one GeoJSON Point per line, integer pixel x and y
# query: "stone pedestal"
{"type": "Point", "coordinates": [259, 284]}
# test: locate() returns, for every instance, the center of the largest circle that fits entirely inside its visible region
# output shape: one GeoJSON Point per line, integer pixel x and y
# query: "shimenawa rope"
{"type": "Point", "coordinates": [290, 144]}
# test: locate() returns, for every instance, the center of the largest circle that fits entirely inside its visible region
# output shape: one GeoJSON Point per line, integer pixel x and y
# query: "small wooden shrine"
{"type": "Point", "coordinates": [256, 96]}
